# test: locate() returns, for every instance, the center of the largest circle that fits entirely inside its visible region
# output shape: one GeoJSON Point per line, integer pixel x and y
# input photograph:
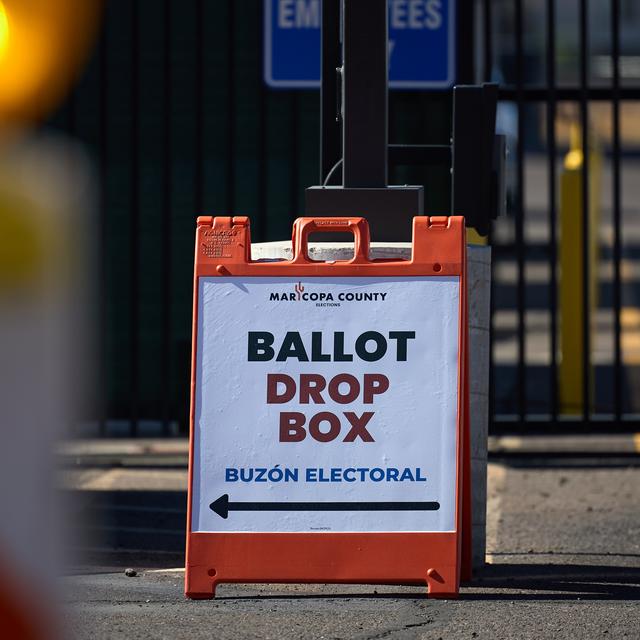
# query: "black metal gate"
{"type": "Point", "coordinates": [177, 117]}
{"type": "Point", "coordinates": [542, 84]}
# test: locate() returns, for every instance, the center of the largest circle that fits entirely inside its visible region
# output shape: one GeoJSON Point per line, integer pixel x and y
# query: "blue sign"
{"type": "Point", "coordinates": [421, 43]}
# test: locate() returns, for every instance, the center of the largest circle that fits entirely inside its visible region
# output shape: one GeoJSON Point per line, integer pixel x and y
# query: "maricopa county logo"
{"type": "Point", "coordinates": [299, 294]}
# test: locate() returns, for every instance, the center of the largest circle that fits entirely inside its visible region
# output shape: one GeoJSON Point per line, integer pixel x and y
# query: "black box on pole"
{"type": "Point", "coordinates": [388, 210]}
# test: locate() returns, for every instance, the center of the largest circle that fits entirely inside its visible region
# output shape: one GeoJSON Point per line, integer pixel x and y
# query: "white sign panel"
{"type": "Point", "coordinates": [326, 404]}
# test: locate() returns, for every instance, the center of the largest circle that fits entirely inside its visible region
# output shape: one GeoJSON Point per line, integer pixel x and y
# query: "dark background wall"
{"type": "Point", "coordinates": [178, 121]}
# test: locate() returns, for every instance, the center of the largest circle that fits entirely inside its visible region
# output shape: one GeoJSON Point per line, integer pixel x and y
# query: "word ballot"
{"type": "Point", "coordinates": [328, 411]}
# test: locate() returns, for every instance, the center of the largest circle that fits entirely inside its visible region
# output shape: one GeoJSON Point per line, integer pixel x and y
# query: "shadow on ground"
{"type": "Point", "coordinates": [129, 528]}
{"type": "Point", "coordinates": [147, 529]}
{"type": "Point", "coordinates": [566, 581]}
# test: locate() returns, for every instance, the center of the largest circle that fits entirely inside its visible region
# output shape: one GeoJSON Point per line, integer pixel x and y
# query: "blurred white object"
{"type": "Point", "coordinates": [46, 197]}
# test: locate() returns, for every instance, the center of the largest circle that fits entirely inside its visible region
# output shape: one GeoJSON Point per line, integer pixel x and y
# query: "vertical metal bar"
{"type": "Point", "coordinates": [465, 51]}
{"type": "Point", "coordinates": [488, 65]}
{"type": "Point", "coordinates": [487, 44]}
{"type": "Point", "coordinates": [617, 210]}
{"type": "Point", "coordinates": [101, 382]}
{"type": "Point", "coordinates": [261, 150]}
{"type": "Point", "coordinates": [231, 107]}
{"type": "Point", "coordinates": [519, 217]}
{"type": "Point", "coordinates": [586, 231]}
{"type": "Point", "coordinates": [330, 144]}
{"type": "Point", "coordinates": [293, 159]}
{"type": "Point", "coordinates": [492, 309]}
{"type": "Point", "coordinates": [199, 108]}
{"type": "Point", "coordinates": [134, 228]}
{"type": "Point", "coordinates": [366, 69]}
{"type": "Point", "coordinates": [260, 229]}
{"type": "Point", "coordinates": [551, 168]}
{"type": "Point", "coordinates": [167, 196]}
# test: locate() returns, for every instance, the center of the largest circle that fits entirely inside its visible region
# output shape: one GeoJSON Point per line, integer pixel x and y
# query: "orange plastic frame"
{"type": "Point", "coordinates": [439, 560]}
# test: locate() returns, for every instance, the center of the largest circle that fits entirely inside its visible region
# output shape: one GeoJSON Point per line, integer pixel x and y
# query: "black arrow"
{"type": "Point", "coordinates": [222, 506]}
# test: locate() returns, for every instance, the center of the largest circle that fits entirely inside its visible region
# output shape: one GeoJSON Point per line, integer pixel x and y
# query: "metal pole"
{"type": "Point", "coordinates": [586, 206]}
{"type": "Point", "coordinates": [365, 93]}
{"type": "Point", "coordinates": [521, 371]}
{"type": "Point", "coordinates": [618, 378]}
{"type": "Point", "coordinates": [553, 218]}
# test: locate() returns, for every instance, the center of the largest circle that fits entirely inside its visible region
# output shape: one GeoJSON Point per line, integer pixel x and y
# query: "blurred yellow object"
{"type": "Point", "coordinates": [22, 247]}
{"type": "Point", "coordinates": [572, 265]}
{"type": "Point", "coordinates": [4, 31]}
{"type": "Point", "coordinates": [473, 237]}
{"type": "Point", "coordinates": [43, 44]}
{"type": "Point", "coordinates": [43, 180]}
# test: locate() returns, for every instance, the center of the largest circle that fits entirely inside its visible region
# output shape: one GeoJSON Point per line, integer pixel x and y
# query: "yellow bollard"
{"type": "Point", "coordinates": [473, 237]}
{"type": "Point", "coordinates": [572, 359]}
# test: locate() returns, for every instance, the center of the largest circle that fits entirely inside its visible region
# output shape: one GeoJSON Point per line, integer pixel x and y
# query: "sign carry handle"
{"type": "Point", "coordinates": [305, 226]}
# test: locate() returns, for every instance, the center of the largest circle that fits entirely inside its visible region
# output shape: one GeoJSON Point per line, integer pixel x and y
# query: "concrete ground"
{"type": "Point", "coordinates": [563, 541]}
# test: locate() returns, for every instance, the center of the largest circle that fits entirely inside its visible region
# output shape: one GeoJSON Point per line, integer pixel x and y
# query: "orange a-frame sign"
{"type": "Point", "coordinates": [329, 411]}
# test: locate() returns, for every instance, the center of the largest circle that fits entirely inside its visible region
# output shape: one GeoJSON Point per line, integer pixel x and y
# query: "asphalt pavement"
{"type": "Point", "coordinates": [563, 541]}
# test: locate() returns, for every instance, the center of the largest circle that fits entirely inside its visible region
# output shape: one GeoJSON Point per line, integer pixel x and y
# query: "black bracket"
{"type": "Point", "coordinates": [477, 157]}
